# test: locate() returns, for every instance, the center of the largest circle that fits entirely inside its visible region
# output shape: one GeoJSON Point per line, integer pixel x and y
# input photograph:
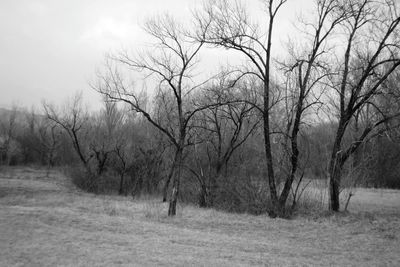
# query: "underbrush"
{"type": "Point", "coordinates": [105, 183]}
{"type": "Point", "coordinates": [133, 183]}
{"type": "Point", "coordinates": [234, 195]}
{"type": "Point", "coordinates": [243, 196]}
{"type": "Point", "coordinates": [85, 180]}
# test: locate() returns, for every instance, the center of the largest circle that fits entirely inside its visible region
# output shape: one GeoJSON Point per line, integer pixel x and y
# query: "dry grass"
{"type": "Point", "coordinates": [44, 221]}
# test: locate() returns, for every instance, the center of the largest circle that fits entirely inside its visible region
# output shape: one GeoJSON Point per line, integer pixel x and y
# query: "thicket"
{"type": "Point", "coordinates": [123, 154]}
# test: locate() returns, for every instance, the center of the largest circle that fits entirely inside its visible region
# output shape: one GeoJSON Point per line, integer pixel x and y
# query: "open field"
{"type": "Point", "coordinates": [44, 221]}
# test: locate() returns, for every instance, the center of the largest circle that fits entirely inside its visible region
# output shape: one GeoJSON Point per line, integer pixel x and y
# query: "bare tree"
{"type": "Point", "coordinates": [220, 131]}
{"type": "Point", "coordinates": [123, 160]}
{"type": "Point", "coordinates": [306, 77]}
{"type": "Point", "coordinates": [49, 136]}
{"type": "Point", "coordinates": [104, 134]}
{"type": "Point", "coordinates": [369, 56]}
{"type": "Point", "coordinates": [72, 119]}
{"type": "Point", "coordinates": [122, 164]}
{"type": "Point", "coordinates": [226, 24]}
{"type": "Point", "coordinates": [171, 61]}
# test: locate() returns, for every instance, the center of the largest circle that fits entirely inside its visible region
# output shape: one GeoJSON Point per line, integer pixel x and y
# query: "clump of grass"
{"type": "Point", "coordinates": [154, 210]}
{"type": "Point", "coordinates": [110, 209]}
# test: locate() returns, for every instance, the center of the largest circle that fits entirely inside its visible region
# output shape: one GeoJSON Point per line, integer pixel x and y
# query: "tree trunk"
{"type": "Point", "coordinates": [174, 197]}
{"type": "Point", "coordinates": [268, 152]}
{"type": "Point", "coordinates": [166, 186]}
{"type": "Point", "coordinates": [121, 185]}
{"type": "Point", "coordinates": [175, 183]}
{"type": "Point", "coordinates": [294, 160]}
{"type": "Point", "coordinates": [335, 167]}
{"type": "Point", "coordinates": [334, 185]}
{"type": "Point", "coordinates": [167, 182]}
{"type": "Point", "coordinates": [203, 196]}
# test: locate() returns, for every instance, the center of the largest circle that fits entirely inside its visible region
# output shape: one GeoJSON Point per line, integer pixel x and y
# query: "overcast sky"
{"type": "Point", "coordinates": [49, 49]}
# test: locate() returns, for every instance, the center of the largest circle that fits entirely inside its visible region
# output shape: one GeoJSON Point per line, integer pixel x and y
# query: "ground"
{"type": "Point", "coordinates": [45, 221]}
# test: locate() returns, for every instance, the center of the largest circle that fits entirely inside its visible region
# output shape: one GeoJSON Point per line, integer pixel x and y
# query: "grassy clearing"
{"type": "Point", "coordinates": [44, 221]}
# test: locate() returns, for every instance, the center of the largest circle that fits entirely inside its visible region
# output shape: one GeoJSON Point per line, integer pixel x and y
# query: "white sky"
{"type": "Point", "coordinates": [49, 49]}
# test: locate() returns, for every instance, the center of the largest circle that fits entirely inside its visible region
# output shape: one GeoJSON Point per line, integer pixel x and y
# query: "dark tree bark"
{"type": "Point", "coordinates": [175, 184]}
{"type": "Point", "coordinates": [169, 177]}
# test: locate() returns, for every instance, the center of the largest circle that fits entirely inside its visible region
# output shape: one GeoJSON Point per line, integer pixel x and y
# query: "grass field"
{"type": "Point", "coordinates": [45, 221]}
